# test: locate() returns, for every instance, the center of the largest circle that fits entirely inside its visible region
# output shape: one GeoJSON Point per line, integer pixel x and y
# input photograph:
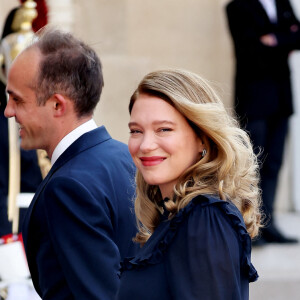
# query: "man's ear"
{"type": "Point", "coordinates": [60, 104]}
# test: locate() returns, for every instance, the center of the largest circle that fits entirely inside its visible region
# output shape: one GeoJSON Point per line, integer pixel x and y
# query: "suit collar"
{"type": "Point", "coordinates": [71, 137]}
{"type": "Point", "coordinates": [87, 140]}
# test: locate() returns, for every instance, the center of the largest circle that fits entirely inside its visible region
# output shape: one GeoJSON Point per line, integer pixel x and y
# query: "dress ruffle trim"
{"type": "Point", "coordinates": [156, 255]}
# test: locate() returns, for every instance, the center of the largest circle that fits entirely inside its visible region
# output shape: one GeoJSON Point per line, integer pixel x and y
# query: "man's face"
{"type": "Point", "coordinates": [34, 120]}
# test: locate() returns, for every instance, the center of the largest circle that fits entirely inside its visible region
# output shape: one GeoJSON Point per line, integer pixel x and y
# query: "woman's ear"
{"type": "Point", "coordinates": [201, 144]}
{"type": "Point", "coordinates": [60, 104]}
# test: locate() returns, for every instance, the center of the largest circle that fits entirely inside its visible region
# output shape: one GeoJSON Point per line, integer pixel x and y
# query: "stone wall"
{"type": "Point", "coordinates": [134, 37]}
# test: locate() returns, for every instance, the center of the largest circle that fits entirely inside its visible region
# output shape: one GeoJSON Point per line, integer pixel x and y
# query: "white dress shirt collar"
{"type": "Point", "coordinates": [70, 138]}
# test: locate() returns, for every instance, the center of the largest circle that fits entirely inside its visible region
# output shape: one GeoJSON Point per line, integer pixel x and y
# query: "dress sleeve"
{"type": "Point", "coordinates": [205, 259]}
{"type": "Point", "coordinates": [82, 235]}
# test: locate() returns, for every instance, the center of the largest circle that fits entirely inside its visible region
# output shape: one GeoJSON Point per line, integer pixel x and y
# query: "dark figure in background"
{"type": "Point", "coordinates": [79, 224]}
{"type": "Point", "coordinates": [264, 34]}
{"type": "Point", "coordinates": [31, 175]}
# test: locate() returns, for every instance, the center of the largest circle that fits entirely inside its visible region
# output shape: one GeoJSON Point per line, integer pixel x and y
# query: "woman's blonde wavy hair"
{"type": "Point", "coordinates": [228, 170]}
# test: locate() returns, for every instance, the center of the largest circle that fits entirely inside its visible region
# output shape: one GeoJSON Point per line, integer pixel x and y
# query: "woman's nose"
{"type": "Point", "coordinates": [148, 143]}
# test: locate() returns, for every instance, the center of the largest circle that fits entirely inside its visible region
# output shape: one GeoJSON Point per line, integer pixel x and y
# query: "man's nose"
{"type": "Point", "coordinates": [9, 110]}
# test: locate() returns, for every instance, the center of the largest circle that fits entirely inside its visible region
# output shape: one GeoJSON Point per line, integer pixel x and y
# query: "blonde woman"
{"type": "Point", "coordinates": [197, 198]}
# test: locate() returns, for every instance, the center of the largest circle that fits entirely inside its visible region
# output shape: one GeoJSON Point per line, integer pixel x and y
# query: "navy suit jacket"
{"type": "Point", "coordinates": [80, 223]}
{"type": "Point", "coordinates": [262, 83]}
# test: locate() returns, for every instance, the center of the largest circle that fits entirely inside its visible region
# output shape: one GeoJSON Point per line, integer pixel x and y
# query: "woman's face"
{"type": "Point", "coordinates": [162, 143]}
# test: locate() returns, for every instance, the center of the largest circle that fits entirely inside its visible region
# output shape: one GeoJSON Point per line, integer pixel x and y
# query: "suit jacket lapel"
{"type": "Point", "coordinates": [83, 143]}
{"type": "Point", "coordinates": [30, 208]}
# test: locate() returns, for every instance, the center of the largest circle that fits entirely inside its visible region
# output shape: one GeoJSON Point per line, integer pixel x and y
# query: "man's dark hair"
{"type": "Point", "coordinates": [68, 67]}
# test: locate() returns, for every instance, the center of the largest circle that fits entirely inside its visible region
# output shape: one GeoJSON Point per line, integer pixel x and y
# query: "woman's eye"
{"type": "Point", "coordinates": [134, 131]}
{"type": "Point", "coordinates": [164, 129]}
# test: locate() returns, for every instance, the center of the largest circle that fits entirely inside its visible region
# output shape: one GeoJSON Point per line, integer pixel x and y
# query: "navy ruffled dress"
{"type": "Point", "coordinates": [202, 253]}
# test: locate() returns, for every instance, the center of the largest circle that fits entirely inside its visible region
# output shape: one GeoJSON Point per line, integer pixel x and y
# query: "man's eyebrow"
{"type": "Point", "coordinates": [15, 96]}
{"type": "Point", "coordinates": [9, 92]}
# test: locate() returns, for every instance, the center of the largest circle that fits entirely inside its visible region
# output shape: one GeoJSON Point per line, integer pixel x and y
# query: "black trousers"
{"type": "Point", "coordinates": [268, 137]}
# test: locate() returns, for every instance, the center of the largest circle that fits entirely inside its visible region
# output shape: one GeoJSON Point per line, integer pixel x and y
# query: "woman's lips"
{"type": "Point", "coordinates": [152, 160]}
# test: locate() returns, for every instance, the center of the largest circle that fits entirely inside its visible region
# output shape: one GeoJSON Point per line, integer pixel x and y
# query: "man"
{"type": "Point", "coordinates": [264, 32]}
{"type": "Point", "coordinates": [79, 224]}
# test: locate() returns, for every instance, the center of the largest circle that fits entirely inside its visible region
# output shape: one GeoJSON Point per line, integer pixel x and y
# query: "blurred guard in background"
{"type": "Point", "coordinates": [264, 33]}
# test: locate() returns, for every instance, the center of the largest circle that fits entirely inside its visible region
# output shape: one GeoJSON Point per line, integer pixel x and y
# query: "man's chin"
{"type": "Point", "coordinates": [26, 146]}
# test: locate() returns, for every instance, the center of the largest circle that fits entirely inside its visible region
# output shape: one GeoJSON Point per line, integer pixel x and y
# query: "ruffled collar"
{"type": "Point", "coordinates": [165, 213]}
{"type": "Point", "coordinates": [155, 248]}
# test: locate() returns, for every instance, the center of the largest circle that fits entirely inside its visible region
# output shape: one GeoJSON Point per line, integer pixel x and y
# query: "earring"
{"type": "Point", "coordinates": [203, 153]}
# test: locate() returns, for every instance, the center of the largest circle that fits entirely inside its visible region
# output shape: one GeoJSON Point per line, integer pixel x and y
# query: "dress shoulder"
{"type": "Point", "coordinates": [155, 248]}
